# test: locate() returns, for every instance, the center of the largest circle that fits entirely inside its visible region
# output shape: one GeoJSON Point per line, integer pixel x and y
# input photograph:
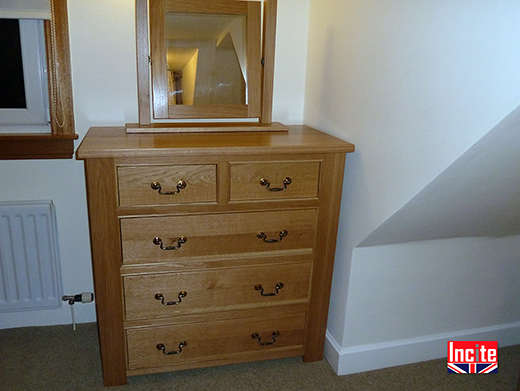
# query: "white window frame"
{"type": "Point", "coordinates": [36, 117]}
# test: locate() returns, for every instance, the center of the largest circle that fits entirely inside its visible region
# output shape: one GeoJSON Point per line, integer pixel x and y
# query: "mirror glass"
{"type": "Point", "coordinates": [206, 58]}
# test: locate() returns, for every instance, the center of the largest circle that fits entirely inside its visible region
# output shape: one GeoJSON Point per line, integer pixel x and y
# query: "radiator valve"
{"type": "Point", "coordinates": [85, 297]}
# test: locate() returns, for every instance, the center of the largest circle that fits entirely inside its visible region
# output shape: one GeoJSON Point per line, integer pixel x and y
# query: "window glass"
{"type": "Point", "coordinates": [24, 101]}
{"type": "Point", "coordinates": [11, 66]}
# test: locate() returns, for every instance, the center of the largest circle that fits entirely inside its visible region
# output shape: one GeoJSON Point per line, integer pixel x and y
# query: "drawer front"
{"type": "Point", "coordinates": [273, 181]}
{"type": "Point", "coordinates": [158, 239]}
{"type": "Point", "coordinates": [212, 340]}
{"type": "Point", "coordinates": [148, 296]}
{"type": "Point", "coordinates": [143, 185]}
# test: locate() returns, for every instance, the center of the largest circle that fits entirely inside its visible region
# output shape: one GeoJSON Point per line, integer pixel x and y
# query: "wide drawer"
{"type": "Point", "coordinates": [148, 296]}
{"type": "Point", "coordinates": [163, 239]}
{"type": "Point", "coordinates": [147, 347]}
{"type": "Point", "coordinates": [143, 185]}
{"type": "Point", "coordinates": [272, 181]}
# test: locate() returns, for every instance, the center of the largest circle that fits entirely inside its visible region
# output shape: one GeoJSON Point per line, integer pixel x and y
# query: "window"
{"type": "Point", "coordinates": [51, 135]}
{"type": "Point", "coordinates": [24, 102]}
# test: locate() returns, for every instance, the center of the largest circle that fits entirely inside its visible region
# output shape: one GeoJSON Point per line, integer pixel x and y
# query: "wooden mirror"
{"type": "Point", "coordinates": [205, 59]}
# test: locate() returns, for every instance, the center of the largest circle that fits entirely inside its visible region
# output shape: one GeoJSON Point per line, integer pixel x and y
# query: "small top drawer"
{"type": "Point", "coordinates": [271, 181]}
{"type": "Point", "coordinates": [152, 185]}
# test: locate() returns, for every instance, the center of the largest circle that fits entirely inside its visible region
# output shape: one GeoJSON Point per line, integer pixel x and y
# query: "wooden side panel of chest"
{"type": "Point", "coordinates": [105, 243]}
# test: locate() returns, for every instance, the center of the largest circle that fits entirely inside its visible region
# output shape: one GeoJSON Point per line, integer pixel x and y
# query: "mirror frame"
{"type": "Point", "coordinates": [152, 71]}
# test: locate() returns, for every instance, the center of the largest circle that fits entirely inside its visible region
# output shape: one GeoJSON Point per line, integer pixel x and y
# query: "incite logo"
{"type": "Point", "coordinates": [472, 356]}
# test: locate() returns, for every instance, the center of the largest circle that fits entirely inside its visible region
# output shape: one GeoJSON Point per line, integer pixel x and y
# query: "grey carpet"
{"type": "Point", "coordinates": [57, 358]}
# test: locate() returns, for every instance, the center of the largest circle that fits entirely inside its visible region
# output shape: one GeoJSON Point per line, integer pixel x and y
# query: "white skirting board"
{"type": "Point", "coordinates": [363, 358]}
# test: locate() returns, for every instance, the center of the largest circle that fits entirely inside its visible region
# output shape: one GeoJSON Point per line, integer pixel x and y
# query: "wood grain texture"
{"type": "Point", "coordinates": [135, 184]}
{"type": "Point", "coordinates": [206, 111]}
{"type": "Point", "coordinates": [106, 261]}
{"type": "Point", "coordinates": [215, 290]}
{"type": "Point", "coordinates": [246, 180]}
{"type": "Point", "coordinates": [115, 142]}
{"type": "Point", "coordinates": [223, 182]}
{"type": "Point", "coordinates": [231, 7]}
{"type": "Point", "coordinates": [158, 57]}
{"type": "Point", "coordinates": [216, 234]}
{"type": "Point", "coordinates": [254, 59]}
{"type": "Point", "coordinates": [204, 127]}
{"type": "Point", "coordinates": [212, 340]}
{"type": "Point", "coordinates": [331, 183]}
{"type": "Point", "coordinates": [211, 263]}
{"type": "Point", "coordinates": [269, 43]}
{"type": "Point", "coordinates": [59, 69]}
{"type": "Point", "coordinates": [37, 146]}
{"type": "Point", "coordinates": [143, 70]}
{"type": "Point", "coordinates": [289, 351]}
{"type": "Point", "coordinates": [222, 256]}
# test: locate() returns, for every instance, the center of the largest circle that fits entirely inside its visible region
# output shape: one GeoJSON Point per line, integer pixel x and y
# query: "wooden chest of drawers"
{"type": "Point", "coordinates": [211, 249]}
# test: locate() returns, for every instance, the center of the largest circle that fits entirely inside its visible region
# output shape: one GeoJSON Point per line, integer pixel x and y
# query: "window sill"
{"type": "Point", "coordinates": [37, 146]}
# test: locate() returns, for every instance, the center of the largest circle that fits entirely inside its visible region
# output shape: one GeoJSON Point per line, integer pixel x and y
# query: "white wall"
{"type": "Point", "coordinates": [102, 36]}
{"type": "Point", "coordinates": [413, 84]}
{"type": "Point", "coordinates": [452, 285]}
{"type": "Point", "coordinates": [407, 300]}
{"type": "Point", "coordinates": [290, 61]}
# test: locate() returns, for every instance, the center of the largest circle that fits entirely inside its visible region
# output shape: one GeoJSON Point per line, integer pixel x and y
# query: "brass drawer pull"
{"type": "Point", "coordinates": [277, 287]}
{"type": "Point", "coordinates": [261, 235]}
{"type": "Point", "coordinates": [160, 346]}
{"type": "Point", "coordinates": [158, 242]}
{"type": "Point", "coordinates": [286, 182]}
{"type": "Point", "coordinates": [160, 296]}
{"type": "Point", "coordinates": [180, 185]}
{"type": "Point", "coordinates": [257, 336]}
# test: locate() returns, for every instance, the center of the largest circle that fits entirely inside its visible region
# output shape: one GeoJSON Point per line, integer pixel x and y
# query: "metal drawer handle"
{"type": "Point", "coordinates": [274, 336]}
{"type": "Point", "coordinates": [277, 287]}
{"type": "Point", "coordinates": [261, 235]}
{"type": "Point", "coordinates": [158, 242]}
{"type": "Point", "coordinates": [160, 346]}
{"type": "Point", "coordinates": [180, 185]}
{"type": "Point", "coordinates": [286, 182]}
{"type": "Point", "coordinates": [160, 296]}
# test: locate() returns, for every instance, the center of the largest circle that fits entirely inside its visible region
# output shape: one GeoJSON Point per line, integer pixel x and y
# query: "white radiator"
{"type": "Point", "coordinates": [29, 258]}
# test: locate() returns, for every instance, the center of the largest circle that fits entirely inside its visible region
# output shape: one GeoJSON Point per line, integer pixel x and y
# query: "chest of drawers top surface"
{"type": "Point", "coordinates": [107, 142]}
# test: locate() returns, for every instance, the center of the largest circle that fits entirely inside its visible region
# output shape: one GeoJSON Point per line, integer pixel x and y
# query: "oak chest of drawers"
{"type": "Point", "coordinates": [211, 249]}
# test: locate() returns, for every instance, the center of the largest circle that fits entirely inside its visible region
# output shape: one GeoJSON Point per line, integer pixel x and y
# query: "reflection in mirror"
{"type": "Point", "coordinates": [206, 56]}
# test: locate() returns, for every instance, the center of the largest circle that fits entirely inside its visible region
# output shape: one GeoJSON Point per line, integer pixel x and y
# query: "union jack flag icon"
{"type": "Point", "coordinates": [472, 368]}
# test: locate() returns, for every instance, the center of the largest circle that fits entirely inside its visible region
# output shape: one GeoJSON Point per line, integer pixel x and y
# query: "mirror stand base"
{"type": "Point", "coordinates": [206, 127]}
